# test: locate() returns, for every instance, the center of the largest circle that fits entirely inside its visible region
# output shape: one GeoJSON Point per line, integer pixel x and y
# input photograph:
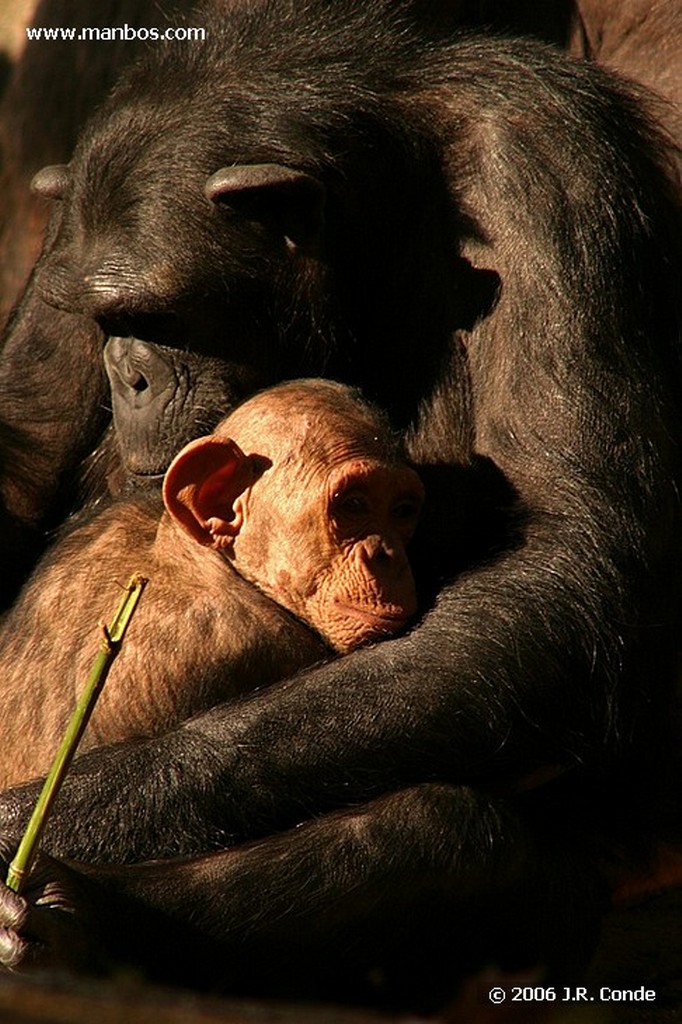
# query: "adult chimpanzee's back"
{"type": "Point", "coordinates": [318, 189]}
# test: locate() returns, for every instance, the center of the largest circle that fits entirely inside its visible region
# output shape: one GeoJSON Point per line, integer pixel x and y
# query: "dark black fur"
{"type": "Point", "coordinates": [47, 370]}
{"type": "Point", "coordinates": [51, 90]}
{"type": "Point", "coordinates": [500, 193]}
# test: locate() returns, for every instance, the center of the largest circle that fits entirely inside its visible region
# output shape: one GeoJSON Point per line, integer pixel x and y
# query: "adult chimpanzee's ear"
{"type": "Point", "coordinates": [51, 182]}
{"type": "Point", "coordinates": [282, 198]}
{"type": "Point", "coordinates": [201, 486]}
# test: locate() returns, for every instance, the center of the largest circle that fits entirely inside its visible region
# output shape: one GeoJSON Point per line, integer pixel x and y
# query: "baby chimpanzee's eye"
{"type": "Point", "coordinates": [349, 503]}
{"type": "Point", "coordinates": [405, 510]}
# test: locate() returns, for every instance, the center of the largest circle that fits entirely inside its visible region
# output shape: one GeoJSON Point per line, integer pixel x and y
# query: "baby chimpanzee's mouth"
{"type": "Point", "coordinates": [383, 620]}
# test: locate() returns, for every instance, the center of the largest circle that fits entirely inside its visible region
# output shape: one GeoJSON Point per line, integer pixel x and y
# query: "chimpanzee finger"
{"type": "Point", "coordinates": [13, 909]}
{"type": "Point", "coordinates": [14, 946]}
{"type": "Point", "coordinates": [15, 952]}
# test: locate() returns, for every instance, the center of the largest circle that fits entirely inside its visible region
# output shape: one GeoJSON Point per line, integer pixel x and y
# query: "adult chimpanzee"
{"type": "Point", "coordinates": [302, 491]}
{"type": "Point", "coordinates": [318, 185]}
{"type": "Point", "coordinates": [37, 126]}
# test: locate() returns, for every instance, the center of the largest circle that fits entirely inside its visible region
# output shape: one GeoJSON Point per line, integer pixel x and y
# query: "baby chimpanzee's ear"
{"type": "Point", "coordinates": [201, 486]}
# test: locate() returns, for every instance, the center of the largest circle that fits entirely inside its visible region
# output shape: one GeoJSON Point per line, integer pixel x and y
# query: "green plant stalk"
{"type": "Point", "coordinates": [112, 638]}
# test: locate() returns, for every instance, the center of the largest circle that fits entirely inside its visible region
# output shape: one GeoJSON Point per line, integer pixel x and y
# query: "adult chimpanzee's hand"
{"type": "Point", "coordinates": [48, 926]}
{"type": "Point", "coordinates": [87, 920]}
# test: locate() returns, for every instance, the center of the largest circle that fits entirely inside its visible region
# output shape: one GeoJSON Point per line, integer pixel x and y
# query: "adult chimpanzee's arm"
{"type": "Point", "coordinates": [390, 894]}
{"type": "Point", "coordinates": [53, 398]}
{"type": "Point", "coordinates": [509, 671]}
{"type": "Point", "coordinates": [53, 403]}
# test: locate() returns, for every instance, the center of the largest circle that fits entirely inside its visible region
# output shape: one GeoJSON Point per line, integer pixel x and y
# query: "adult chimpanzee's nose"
{"type": "Point", "coordinates": [138, 371]}
{"type": "Point", "coordinates": [124, 364]}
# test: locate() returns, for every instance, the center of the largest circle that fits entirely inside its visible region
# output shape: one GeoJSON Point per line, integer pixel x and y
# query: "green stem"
{"type": "Point", "coordinates": [112, 638]}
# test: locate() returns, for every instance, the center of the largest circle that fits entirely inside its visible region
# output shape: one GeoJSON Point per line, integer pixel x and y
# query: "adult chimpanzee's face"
{"type": "Point", "coordinates": [162, 397]}
{"type": "Point", "coordinates": [205, 283]}
{"type": "Point", "coordinates": [168, 235]}
{"type": "Point", "coordinates": [203, 212]}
